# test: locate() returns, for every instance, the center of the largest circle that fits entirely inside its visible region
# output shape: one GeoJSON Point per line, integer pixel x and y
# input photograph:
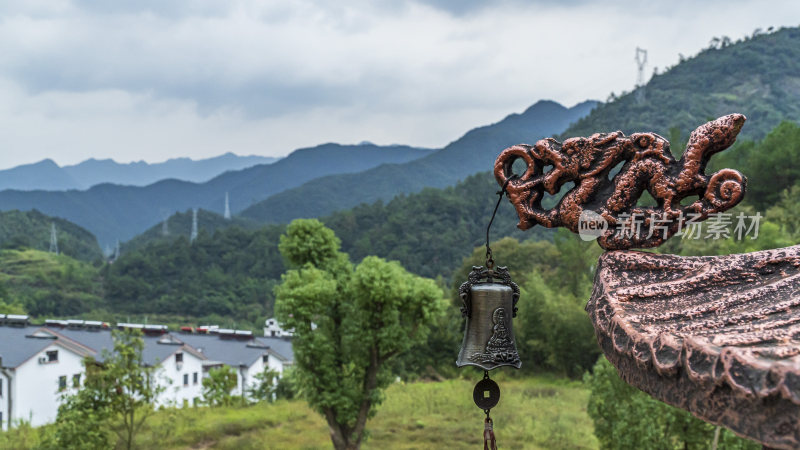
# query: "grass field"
{"type": "Point", "coordinates": [533, 413]}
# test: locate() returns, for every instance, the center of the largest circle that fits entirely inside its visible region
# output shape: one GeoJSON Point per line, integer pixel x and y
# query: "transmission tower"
{"type": "Point", "coordinates": [641, 62]}
{"type": "Point", "coordinates": [53, 239]}
{"type": "Point", "coordinates": [165, 223]}
{"type": "Point", "coordinates": [227, 207]}
{"type": "Point", "coordinates": [193, 236]}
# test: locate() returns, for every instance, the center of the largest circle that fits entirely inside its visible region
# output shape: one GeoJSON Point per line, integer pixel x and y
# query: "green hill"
{"type": "Point", "coordinates": [46, 284]}
{"type": "Point", "coordinates": [180, 225]}
{"type": "Point", "coordinates": [31, 229]}
{"type": "Point", "coordinates": [758, 77]}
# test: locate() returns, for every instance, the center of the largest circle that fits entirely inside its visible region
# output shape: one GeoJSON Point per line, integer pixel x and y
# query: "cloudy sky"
{"type": "Point", "coordinates": [154, 79]}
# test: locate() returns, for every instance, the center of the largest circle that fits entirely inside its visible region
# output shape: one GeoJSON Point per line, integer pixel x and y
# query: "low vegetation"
{"type": "Point", "coordinates": [534, 412]}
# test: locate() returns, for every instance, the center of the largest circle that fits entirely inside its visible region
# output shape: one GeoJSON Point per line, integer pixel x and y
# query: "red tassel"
{"type": "Point", "coordinates": [489, 443]}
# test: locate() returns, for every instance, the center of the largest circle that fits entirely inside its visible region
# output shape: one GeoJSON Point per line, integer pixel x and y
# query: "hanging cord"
{"type": "Point", "coordinates": [489, 260]}
{"type": "Point", "coordinates": [489, 441]}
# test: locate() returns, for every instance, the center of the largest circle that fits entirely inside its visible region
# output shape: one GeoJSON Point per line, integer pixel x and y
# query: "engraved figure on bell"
{"type": "Point", "coordinates": [500, 347]}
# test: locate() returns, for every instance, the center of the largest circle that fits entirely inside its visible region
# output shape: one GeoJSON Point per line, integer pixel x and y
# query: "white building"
{"type": "Point", "coordinates": [38, 364]}
{"type": "Point", "coordinates": [273, 329]}
{"type": "Point", "coordinates": [39, 369]}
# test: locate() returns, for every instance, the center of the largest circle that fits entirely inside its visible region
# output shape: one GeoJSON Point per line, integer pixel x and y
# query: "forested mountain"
{"type": "Point", "coordinates": [229, 272]}
{"type": "Point", "coordinates": [757, 76]}
{"type": "Point", "coordinates": [472, 153]}
{"type": "Point", "coordinates": [115, 212]}
{"type": "Point", "coordinates": [32, 229]}
{"type": "Point", "coordinates": [46, 175]}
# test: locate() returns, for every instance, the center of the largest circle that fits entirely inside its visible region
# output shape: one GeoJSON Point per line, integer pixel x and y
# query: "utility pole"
{"type": "Point", "coordinates": [53, 239]}
{"type": "Point", "coordinates": [165, 223]}
{"type": "Point", "coordinates": [116, 251]}
{"type": "Point", "coordinates": [641, 62]}
{"type": "Point", "coordinates": [227, 207]}
{"type": "Point", "coordinates": [193, 236]}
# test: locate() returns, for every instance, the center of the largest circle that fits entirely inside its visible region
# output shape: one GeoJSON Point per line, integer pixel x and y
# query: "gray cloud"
{"type": "Point", "coordinates": [152, 79]}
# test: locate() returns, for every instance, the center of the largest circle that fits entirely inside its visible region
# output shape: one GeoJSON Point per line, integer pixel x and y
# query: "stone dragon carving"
{"type": "Point", "coordinates": [648, 165]}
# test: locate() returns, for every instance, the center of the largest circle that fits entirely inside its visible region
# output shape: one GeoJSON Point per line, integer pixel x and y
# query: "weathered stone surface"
{"type": "Point", "coordinates": [717, 336]}
{"type": "Point", "coordinates": [647, 164]}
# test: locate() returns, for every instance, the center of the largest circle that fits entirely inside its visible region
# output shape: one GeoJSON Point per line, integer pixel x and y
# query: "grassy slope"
{"type": "Point", "coordinates": [533, 413]}
{"type": "Point", "coordinates": [46, 281]}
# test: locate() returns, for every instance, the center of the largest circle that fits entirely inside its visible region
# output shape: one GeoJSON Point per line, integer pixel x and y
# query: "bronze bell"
{"type": "Point", "coordinates": [490, 302]}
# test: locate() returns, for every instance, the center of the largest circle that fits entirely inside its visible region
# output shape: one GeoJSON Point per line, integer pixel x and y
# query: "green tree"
{"type": "Point", "coordinates": [626, 418]}
{"type": "Point", "coordinates": [118, 392]}
{"type": "Point", "coordinates": [83, 416]}
{"type": "Point", "coordinates": [264, 387]}
{"type": "Point", "coordinates": [133, 385]}
{"type": "Point", "coordinates": [218, 385]}
{"type": "Point", "coordinates": [348, 323]}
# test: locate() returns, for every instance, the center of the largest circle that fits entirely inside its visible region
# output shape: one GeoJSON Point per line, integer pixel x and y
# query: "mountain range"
{"type": "Point", "coordinates": [114, 212]}
{"type": "Point", "coordinates": [474, 152]}
{"type": "Point", "coordinates": [46, 175]}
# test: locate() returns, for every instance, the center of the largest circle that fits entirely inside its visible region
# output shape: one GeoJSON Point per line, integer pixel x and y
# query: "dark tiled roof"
{"type": "Point", "coordinates": [280, 346]}
{"type": "Point", "coordinates": [232, 352]}
{"type": "Point", "coordinates": [16, 347]}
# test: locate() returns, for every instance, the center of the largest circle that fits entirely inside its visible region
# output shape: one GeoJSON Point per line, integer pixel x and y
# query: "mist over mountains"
{"type": "Point", "coordinates": [46, 175]}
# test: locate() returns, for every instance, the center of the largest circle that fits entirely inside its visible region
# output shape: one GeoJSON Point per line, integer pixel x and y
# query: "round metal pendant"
{"type": "Point", "coordinates": [486, 394]}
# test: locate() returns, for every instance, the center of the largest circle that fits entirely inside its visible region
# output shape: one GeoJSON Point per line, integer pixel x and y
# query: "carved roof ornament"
{"type": "Point", "coordinates": [600, 194]}
{"type": "Point", "coordinates": [718, 336]}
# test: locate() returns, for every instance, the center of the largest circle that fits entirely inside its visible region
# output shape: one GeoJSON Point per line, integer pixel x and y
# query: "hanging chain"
{"type": "Point", "coordinates": [489, 260]}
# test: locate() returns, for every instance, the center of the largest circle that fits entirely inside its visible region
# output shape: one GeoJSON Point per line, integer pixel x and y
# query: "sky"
{"type": "Point", "coordinates": [154, 79]}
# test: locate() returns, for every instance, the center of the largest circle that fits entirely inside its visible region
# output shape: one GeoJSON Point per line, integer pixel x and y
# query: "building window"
{"type": "Point", "coordinates": [194, 378]}
{"type": "Point", "coordinates": [1, 387]}
{"type": "Point", "coordinates": [179, 357]}
{"type": "Point", "coordinates": [186, 379]}
{"type": "Point", "coordinates": [76, 381]}
{"type": "Point", "coordinates": [52, 356]}
{"type": "Point", "coordinates": [272, 333]}
{"type": "Point", "coordinates": [62, 383]}
{"type": "Point", "coordinates": [265, 359]}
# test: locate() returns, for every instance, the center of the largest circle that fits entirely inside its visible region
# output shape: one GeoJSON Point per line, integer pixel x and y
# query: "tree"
{"type": "Point", "coordinates": [265, 385]}
{"type": "Point", "coordinates": [82, 417]}
{"type": "Point", "coordinates": [119, 392]}
{"type": "Point", "coordinates": [627, 418]}
{"type": "Point", "coordinates": [348, 323]}
{"type": "Point", "coordinates": [218, 385]}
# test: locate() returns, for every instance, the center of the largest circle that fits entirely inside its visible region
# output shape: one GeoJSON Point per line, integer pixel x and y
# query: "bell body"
{"type": "Point", "coordinates": [489, 340]}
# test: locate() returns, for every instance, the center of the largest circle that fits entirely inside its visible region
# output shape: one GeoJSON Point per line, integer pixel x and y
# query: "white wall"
{"type": "Point", "coordinates": [255, 368]}
{"type": "Point", "coordinates": [4, 395]}
{"type": "Point", "coordinates": [36, 395]}
{"type": "Point", "coordinates": [175, 393]}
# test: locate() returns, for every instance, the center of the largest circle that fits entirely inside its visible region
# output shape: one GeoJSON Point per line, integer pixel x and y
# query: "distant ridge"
{"type": "Point", "coordinates": [114, 212]}
{"type": "Point", "coordinates": [46, 175]}
{"type": "Point", "coordinates": [472, 153]}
